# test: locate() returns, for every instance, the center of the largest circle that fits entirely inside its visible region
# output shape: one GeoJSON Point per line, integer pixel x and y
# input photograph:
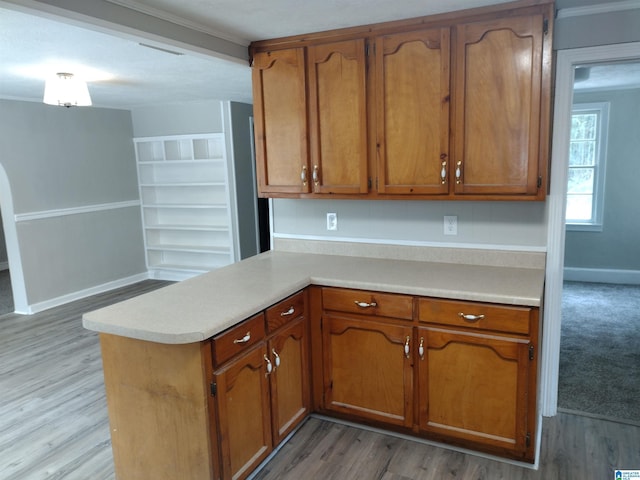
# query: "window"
{"type": "Point", "coordinates": [587, 156]}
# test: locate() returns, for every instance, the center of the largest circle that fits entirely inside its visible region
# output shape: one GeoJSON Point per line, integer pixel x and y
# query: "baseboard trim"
{"type": "Point", "coordinates": [105, 287]}
{"type": "Point", "coordinates": [4, 265]}
{"type": "Point", "coordinates": [602, 275]}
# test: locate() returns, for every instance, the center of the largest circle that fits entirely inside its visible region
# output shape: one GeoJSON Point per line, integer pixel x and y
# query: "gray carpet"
{"type": "Point", "coordinates": [600, 350]}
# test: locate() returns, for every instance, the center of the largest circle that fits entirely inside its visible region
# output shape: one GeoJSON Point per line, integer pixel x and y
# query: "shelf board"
{"type": "Point", "coordinates": [181, 162]}
{"type": "Point", "coordinates": [201, 228]}
{"type": "Point", "coordinates": [184, 205]}
{"type": "Point", "coordinates": [190, 248]}
{"type": "Point", "coordinates": [183, 184]}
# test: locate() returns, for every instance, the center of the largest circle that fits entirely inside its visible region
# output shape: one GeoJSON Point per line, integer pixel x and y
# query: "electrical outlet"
{"type": "Point", "coordinates": [450, 225]}
{"type": "Point", "coordinates": [332, 221]}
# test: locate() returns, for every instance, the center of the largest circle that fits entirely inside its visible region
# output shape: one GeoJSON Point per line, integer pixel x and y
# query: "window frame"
{"type": "Point", "coordinates": [597, 206]}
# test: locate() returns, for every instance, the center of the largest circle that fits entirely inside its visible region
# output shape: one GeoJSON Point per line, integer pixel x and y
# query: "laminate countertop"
{"type": "Point", "coordinates": [198, 308]}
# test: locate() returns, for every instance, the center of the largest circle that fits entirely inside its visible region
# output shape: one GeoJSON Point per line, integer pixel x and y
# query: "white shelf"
{"type": "Point", "coordinates": [186, 205]}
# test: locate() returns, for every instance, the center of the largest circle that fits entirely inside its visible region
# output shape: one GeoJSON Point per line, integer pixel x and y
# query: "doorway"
{"type": "Point", "coordinates": [6, 293]}
{"type": "Point", "coordinates": [602, 259]}
{"type": "Point", "coordinates": [567, 61]}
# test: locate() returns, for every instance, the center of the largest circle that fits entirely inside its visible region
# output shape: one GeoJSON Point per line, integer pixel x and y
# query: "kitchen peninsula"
{"type": "Point", "coordinates": [205, 377]}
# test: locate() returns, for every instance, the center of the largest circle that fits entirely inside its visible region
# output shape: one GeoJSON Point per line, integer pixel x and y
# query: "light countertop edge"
{"type": "Point", "coordinates": [199, 308]}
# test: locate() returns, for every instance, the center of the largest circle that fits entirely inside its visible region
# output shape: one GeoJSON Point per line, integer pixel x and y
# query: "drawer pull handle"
{"type": "Point", "coordinates": [291, 311]}
{"type": "Point", "coordinates": [421, 348]}
{"type": "Point", "coordinates": [470, 318]}
{"type": "Point", "coordinates": [277, 357]}
{"type": "Point", "coordinates": [269, 365]}
{"type": "Point", "coordinates": [244, 339]}
{"type": "Point", "coordinates": [406, 347]}
{"type": "Point", "coordinates": [365, 304]}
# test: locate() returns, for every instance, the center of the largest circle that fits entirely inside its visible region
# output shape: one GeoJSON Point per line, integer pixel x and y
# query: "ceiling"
{"type": "Point", "coordinates": [122, 73]}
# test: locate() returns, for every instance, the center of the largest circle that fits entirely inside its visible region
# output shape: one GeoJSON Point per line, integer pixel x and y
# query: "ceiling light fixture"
{"type": "Point", "coordinates": [66, 90]}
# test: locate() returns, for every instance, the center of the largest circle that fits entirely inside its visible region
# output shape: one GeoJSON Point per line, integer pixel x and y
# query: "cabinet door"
{"type": "Point", "coordinates": [498, 83]}
{"type": "Point", "coordinates": [280, 121]}
{"type": "Point", "coordinates": [474, 387]}
{"type": "Point", "coordinates": [242, 400]}
{"type": "Point", "coordinates": [412, 105]}
{"type": "Point", "coordinates": [366, 370]}
{"type": "Point", "coordinates": [290, 378]}
{"type": "Point", "coordinates": [338, 117]}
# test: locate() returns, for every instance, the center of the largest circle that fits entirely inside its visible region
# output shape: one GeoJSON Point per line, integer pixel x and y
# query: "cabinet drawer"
{"type": "Point", "coordinates": [482, 316]}
{"type": "Point", "coordinates": [237, 339]}
{"type": "Point", "coordinates": [370, 303]}
{"type": "Point", "coordinates": [284, 311]}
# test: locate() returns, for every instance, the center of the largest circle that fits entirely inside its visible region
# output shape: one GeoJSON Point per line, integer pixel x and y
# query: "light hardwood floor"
{"type": "Point", "coordinates": [53, 422]}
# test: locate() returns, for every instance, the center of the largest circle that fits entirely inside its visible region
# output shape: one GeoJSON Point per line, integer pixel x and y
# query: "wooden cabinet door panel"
{"type": "Point", "coordinates": [497, 114]}
{"type": "Point", "coordinates": [412, 106]}
{"type": "Point", "coordinates": [338, 117]}
{"type": "Point", "coordinates": [280, 121]}
{"type": "Point", "coordinates": [242, 399]}
{"type": "Point", "coordinates": [366, 371]}
{"type": "Point", "coordinates": [474, 387]}
{"type": "Point", "coordinates": [290, 394]}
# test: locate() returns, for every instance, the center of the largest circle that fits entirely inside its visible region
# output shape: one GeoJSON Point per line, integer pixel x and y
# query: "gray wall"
{"type": "Point", "coordinates": [57, 159]}
{"type": "Point", "coordinates": [617, 245]}
{"type": "Point", "coordinates": [244, 166]}
{"type": "Point", "coordinates": [597, 29]}
{"type": "Point", "coordinates": [505, 224]}
{"type": "Point", "coordinates": [178, 119]}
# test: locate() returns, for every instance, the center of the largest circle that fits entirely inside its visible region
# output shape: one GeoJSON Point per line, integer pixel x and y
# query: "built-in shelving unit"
{"type": "Point", "coordinates": [186, 204]}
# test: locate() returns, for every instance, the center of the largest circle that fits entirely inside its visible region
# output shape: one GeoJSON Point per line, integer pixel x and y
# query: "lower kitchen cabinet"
{"type": "Point", "coordinates": [457, 372]}
{"type": "Point", "coordinates": [477, 375]}
{"type": "Point", "coordinates": [290, 394]}
{"type": "Point", "coordinates": [474, 388]}
{"type": "Point", "coordinates": [244, 419]}
{"type": "Point", "coordinates": [262, 393]}
{"type": "Point", "coordinates": [368, 369]}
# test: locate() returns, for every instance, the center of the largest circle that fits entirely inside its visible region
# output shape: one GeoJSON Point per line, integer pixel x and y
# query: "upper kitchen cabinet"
{"type": "Point", "coordinates": [338, 117]}
{"type": "Point", "coordinates": [280, 122]}
{"type": "Point", "coordinates": [449, 107]}
{"type": "Point", "coordinates": [500, 123]}
{"type": "Point", "coordinates": [412, 107]}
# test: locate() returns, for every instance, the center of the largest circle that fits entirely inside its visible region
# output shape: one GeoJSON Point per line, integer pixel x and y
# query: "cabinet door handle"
{"type": "Point", "coordinates": [470, 318]}
{"type": "Point", "coordinates": [289, 312]}
{"type": "Point", "coordinates": [277, 357]}
{"type": "Point", "coordinates": [365, 304]}
{"type": "Point", "coordinates": [458, 172]}
{"type": "Point", "coordinates": [269, 364]}
{"type": "Point", "coordinates": [406, 347]}
{"type": "Point", "coordinates": [244, 339]}
{"type": "Point", "coordinates": [421, 348]}
{"type": "Point", "coordinates": [316, 175]}
{"type": "Point", "coordinates": [303, 175]}
{"type": "Point", "coordinates": [443, 172]}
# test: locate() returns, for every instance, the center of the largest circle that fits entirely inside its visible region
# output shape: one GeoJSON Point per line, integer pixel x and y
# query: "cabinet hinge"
{"type": "Point", "coordinates": [214, 389]}
{"type": "Point", "coordinates": [527, 439]}
{"type": "Point", "coordinates": [531, 352]}
{"type": "Point", "coordinates": [539, 181]}
{"type": "Point", "coordinates": [545, 26]}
